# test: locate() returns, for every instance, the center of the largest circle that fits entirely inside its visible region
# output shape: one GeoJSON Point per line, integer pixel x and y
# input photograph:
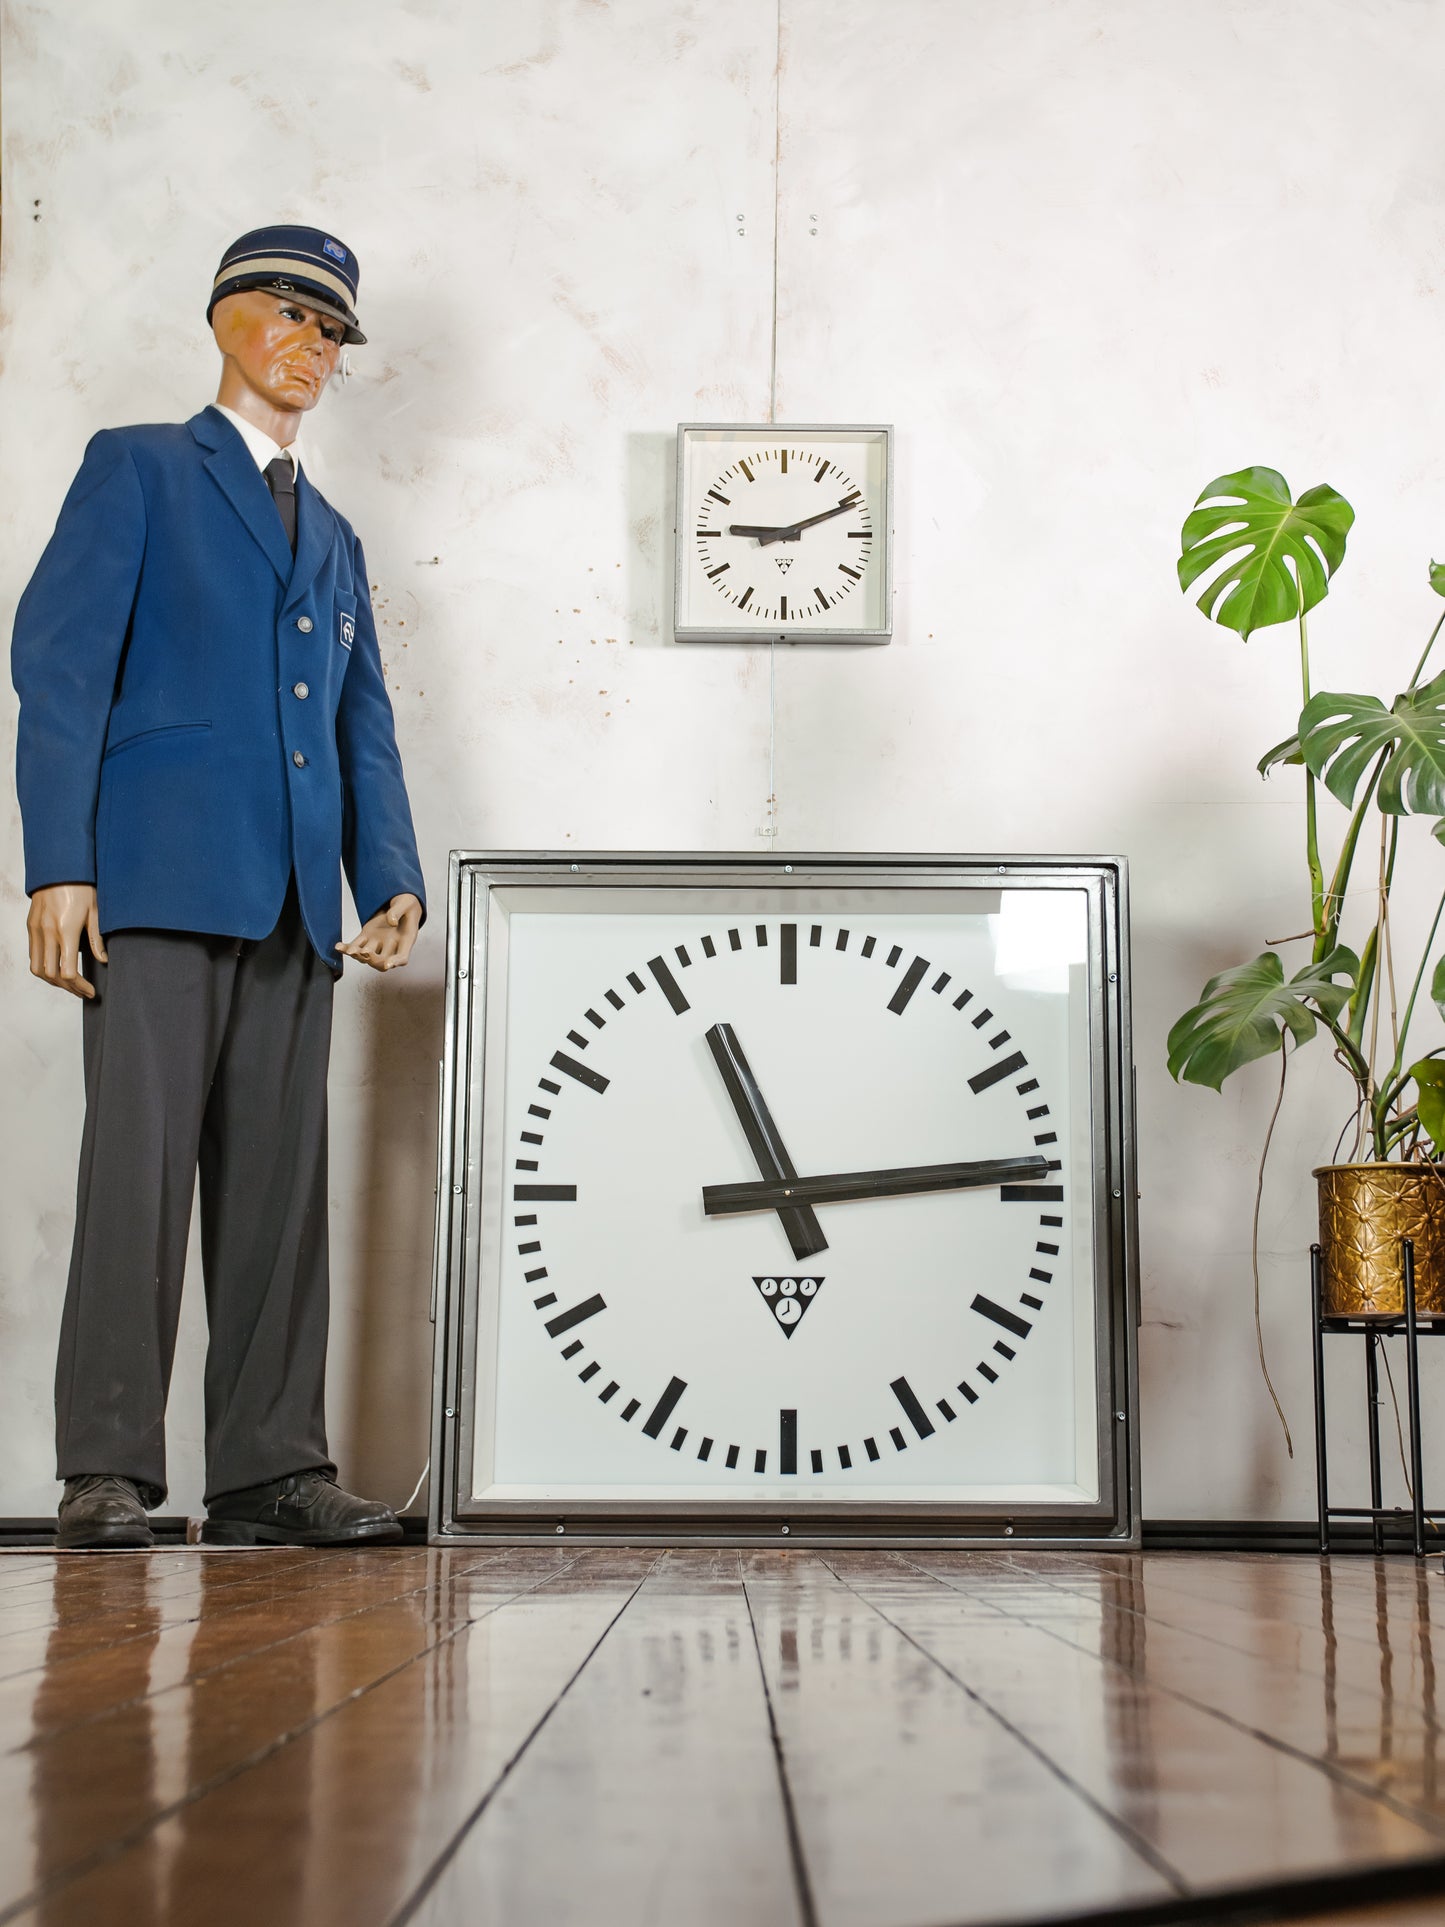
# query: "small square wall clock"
{"type": "Point", "coordinates": [784, 533]}
{"type": "Point", "coordinates": [786, 1201]}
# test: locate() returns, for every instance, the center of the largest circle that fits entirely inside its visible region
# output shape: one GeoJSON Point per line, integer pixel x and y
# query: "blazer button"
{"type": "Point", "coordinates": [298, 759]}
{"type": "Point", "coordinates": [305, 625]}
{"type": "Point", "coordinates": [300, 691]}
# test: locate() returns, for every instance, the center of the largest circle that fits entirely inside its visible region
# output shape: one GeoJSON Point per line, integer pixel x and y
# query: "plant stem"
{"type": "Point", "coordinates": [1396, 1080]}
{"type": "Point", "coordinates": [1339, 882]}
{"type": "Point", "coordinates": [1254, 1243]}
{"type": "Point", "coordinates": [1312, 833]}
{"type": "Point", "coordinates": [1420, 665]}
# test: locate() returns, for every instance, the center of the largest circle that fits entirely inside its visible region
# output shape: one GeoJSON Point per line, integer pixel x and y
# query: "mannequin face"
{"type": "Point", "coordinates": [278, 356]}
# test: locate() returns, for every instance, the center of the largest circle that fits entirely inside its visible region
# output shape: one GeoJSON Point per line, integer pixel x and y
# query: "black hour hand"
{"type": "Point", "coordinates": [847, 1187]}
{"type": "Point", "coordinates": [800, 1221]}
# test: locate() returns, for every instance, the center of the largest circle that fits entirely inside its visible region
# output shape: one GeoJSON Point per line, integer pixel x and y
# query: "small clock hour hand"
{"type": "Point", "coordinates": [844, 1187]}
{"type": "Point", "coordinates": [800, 1222]}
{"type": "Point", "coordinates": [790, 531]}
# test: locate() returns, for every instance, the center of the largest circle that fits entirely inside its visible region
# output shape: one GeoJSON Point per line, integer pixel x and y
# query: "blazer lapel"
{"type": "Point", "coordinates": [235, 473]}
{"type": "Point", "coordinates": [313, 536]}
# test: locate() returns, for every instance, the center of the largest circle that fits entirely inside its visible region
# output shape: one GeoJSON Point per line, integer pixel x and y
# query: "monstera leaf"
{"type": "Point", "coordinates": [1429, 1076]}
{"type": "Point", "coordinates": [1288, 751]}
{"type": "Point", "coordinates": [1245, 1011]}
{"type": "Point", "coordinates": [1280, 553]}
{"type": "Point", "coordinates": [1342, 735]}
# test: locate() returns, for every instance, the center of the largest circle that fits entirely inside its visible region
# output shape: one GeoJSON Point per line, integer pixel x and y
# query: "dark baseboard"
{"type": "Point", "coordinates": [1160, 1535]}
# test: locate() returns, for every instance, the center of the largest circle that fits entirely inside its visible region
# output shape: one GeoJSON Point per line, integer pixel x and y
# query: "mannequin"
{"type": "Point", "coordinates": [205, 741]}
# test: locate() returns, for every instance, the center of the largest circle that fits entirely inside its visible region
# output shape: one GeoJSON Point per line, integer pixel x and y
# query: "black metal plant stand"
{"type": "Point", "coordinates": [1374, 1331]}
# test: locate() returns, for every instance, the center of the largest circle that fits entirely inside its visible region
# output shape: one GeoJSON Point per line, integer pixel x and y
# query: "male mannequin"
{"type": "Point", "coordinates": [205, 739]}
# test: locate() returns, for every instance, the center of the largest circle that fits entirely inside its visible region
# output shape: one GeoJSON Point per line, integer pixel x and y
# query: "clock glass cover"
{"type": "Point", "coordinates": [781, 1195]}
{"type": "Point", "coordinates": [783, 534]}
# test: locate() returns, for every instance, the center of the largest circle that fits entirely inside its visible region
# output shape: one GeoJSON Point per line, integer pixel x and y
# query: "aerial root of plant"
{"type": "Point", "coordinates": [1254, 1246]}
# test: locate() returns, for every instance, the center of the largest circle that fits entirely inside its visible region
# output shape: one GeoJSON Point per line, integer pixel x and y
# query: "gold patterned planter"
{"type": "Point", "coordinates": [1365, 1210]}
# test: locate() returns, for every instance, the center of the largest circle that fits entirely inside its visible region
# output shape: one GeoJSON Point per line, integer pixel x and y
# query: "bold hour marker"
{"type": "Point", "coordinates": [712, 574]}
{"type": "Point", "coordinates": [746, 470]}
{"type": "Point", "coordinates": [663, 1410]}
{"type": "Point", "coordinates": [1011, 1322]}
{"type": "Point", "coordinates": [668, 985]}
{"type": "Point", "coordinates": [908, 1399]}
{"type": "Point", "coordinates": [857, 574]}
{"type": "Point", "coordinates": [788, 954]}
{"type": "Point", "coordinates": [745, 598]}
{"type": "Point", "coordinates": [860, 535]}
{"type": "Point", "coordinates": [783, 456]}
{"type": "Point", "coordinates": [1032, 1194]}
{"type": "Point", "coordinates": [849, 500]}
{"type": "Point", "coordinates": [704, 532]}
{"type": "Point", "coordinates": [726, 502]}
{"type": "Point", "coordinates": [822, 599]}
{"type": "Point", "coordinates": [569, 1067]}
{"type": "Point", "coordinates": [578, 1314]}
{"type": "Point", "coordinates": [996, 1073]}
{"type": "Point", "coordinates": [783, 610]}
{"type": "Point", "coordinates": [822, 471]}
{"type": "Point", "coordinates": [545, 1193]}
{"type": "Point", "coordinates": [911, 979]}
{"type": "Point", "coordinates": [787, 1442]}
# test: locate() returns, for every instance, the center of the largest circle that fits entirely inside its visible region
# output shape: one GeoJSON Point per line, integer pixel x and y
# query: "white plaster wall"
{"type": "Point", "coordinates": [1085, 254]}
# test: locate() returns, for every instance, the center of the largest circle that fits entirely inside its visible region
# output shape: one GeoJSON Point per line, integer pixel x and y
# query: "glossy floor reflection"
{"type": "Point", "coordinates": [853, 1739]}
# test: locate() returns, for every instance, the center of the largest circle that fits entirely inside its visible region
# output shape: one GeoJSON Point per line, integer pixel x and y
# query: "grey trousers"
{"type": "Point", "coordinates": [210, 1054]}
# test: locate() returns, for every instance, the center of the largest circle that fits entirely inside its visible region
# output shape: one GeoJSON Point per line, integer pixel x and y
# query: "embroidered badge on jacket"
{"type": "Point", "coordinates": [347, 629]}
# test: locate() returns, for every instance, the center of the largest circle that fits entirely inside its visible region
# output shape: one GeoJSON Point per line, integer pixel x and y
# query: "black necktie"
{"type": "Point", "coordinates": [281, 480]}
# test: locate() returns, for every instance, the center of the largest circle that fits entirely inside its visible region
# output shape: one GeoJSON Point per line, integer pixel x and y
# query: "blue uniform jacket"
{"type": "Point", "coordinates": [199, 715]}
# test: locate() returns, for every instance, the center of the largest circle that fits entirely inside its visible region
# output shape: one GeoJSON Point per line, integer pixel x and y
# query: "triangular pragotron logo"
{"type": "Point", "coordinates": [788, 1298]}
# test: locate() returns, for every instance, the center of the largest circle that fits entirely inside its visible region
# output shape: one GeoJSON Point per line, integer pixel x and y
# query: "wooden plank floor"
{"type": "Point", "coordinates": [557, 1735]}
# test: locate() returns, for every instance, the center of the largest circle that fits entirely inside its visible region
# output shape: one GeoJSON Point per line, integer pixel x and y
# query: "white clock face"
{"type": "Point", "coordinates": [783, 532]}
{"type": "Point", "coordinates": [644, 1335]}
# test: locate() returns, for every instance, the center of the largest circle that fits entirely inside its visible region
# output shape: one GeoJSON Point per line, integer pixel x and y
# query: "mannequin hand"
{"type": "Point", "coordinates": [58, 915]}
{"type": "Point", "coordinates": [385, 940]}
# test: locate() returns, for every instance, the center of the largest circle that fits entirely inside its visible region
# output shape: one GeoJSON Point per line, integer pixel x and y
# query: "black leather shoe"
{"type": "Point", "coordinates": [303, 1509]}
{"type": "Point", "coordinates": [100, 1511]}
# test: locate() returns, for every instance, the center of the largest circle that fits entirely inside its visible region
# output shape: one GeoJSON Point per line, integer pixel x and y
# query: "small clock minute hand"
{"type": "Point", "coordinates": [799, 1222]}
{"type": "Point", "coordinates": [788, 531]}
{"type": "Point", "coordinates": [845, 1187]}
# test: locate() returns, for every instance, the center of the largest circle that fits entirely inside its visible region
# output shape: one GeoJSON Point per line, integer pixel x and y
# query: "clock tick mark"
{"type": "Point", "coordinates": [988, 1372]}
{"type": "Point", "coordinates": [594, 1080]}
{"type": "Point", "coordinates": [892, 958]}
{"type": "Point", "coordinates": [598, 1023]}
{"type": "Point", "coordinates": [547, 1298]}
{"type": "Point", "coordinates": [529, 1218]}
{"type": "Point", "coordinates": [538, 1110]}
{"type": "Point", "coordinates": [981, 1019]}
{"type": "Point", "coordinates": [614, 1000]}
{"type": "Point", "coordinates": [1047, 1137]}
{"type": "Point", "coordinates": [630, 1410]}
{"type": "Point", "coordinates": [995, 1042]}
{"type": "Point", "coordinates": [969, 1393]}
{"type": "Point", "coordinates": [668, 985]}
{"type": "Point", "coordinates": [761, 933]}
{"type": "Point", "coordinates": [576, 1315]}
{"type": "Point", "coordinates": [735, 941]}
{"type": "Point", "coordinates": [535, 1137]}
{"type": "Point", "coordinates": [946, 1409]}
{"type": "Point", "coordinates": [527, 1250]}
{"type": "Point", "coordinates": [535, 1277]}
{"type": "Point", "coordinates": [1031, 1085]}
{"type": "Point", "coordinates": [842, 942]}
{"type": "Point", "coordinates": [963, 998]}
{"type": "Point", "coordinates": [677, 1438]}
{"type": "Point", "coordinates": [704, 1451]}
{"type": "Point", "coordinates": [682, 957]}
{"type": "Point", "coordinates": [911, 979]}
{"type": "Point", "coordinates": [663, 1410]}
{"type": "Point", "coordinates": [637, 984]}
{"type": "Point", "coordinates": [526, 1164]}
{"type": "Point", "coordinates": [609, 1390]}
{"type": "Point", "coordinates": [1050, 1251]}
{"type": "Point", "coordinates": [815, 1458]}
{"type": "Point", "coordinates": [845, 1458]}
{"type": "Point", "coordinates": [914, 1412]}
{"type": "Point", "coordinates": [788, 953]}
{"type": "Point", "coordinates": [1042, 1277]}
{"type": "Point", "coordinates": [1034, 1304]}
{"type": "Point", "coordinates": [815, 936]}
{"type": "Point", "coordinates": [1039, 1110]}
{"type": "Point", "coordinates": [870, 944]}
{"type": "Point", "coordinates": [1033, 1194]}
{"type": "Point", "coordinates": [589, 1371]}
{"type": "Point", "coordinates": [571, 1351]}
{"type": "Point", "coordinates": [1010, 1321]}
{"type": "Point", "coordinates": [576, 1037]}
{"type": "Point", "coordinates": [870, 1446]}
{"type": "Point", "coordinates": [732, 1458]}
{"type": "Point", "coordinates": [760, 1461]}
{"type": "Point", "coordinates": [1056, 1223]}
{"type": "Point", "coordinates": [996, 1073]}
{"type": "Point", "coordinates": [709, 948]}
{"type": "Point", "coordinates": [941, 983]}
{"type": "Point", "coordinates": [546, 1084]}
{"type": "Point", "coordinates": [900, 1443]}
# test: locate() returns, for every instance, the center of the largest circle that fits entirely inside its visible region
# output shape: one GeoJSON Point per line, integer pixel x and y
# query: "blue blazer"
{"type": "Point", "coordinates": [200, 716]}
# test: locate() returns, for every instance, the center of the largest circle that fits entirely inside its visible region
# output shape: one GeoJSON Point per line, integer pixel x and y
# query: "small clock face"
{"type": "Point", "coordinates": [660, 1325]}
{"type": "Point", "coordinates": [783, 533]}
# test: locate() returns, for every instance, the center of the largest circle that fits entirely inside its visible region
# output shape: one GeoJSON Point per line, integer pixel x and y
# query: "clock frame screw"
{"type": "Point", "coordinates": [1118, 1194]}
{"type": "Point", "coordinates": [457, 1191]}
{"type": "Point", "coordinates": [561, 1528]}
{"type": "Point", "coordinates": [787, 869]}
{"type": "Point", "coordinates": [574, 867]}
{"type": "Point", "coordinates": [786, 1530]}
{"type": "Point", "coordinates": [1008, 1532]}
{"type": "Point", "coordinates": [1120, 1417]}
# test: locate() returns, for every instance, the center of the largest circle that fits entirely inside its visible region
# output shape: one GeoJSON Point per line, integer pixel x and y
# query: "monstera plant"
{"type": "Point", "coordinates": [1264, 558]}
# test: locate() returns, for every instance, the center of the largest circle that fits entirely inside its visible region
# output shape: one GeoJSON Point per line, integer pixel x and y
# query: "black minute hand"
{"type": "Point", "coordinates": [788, 531]}
{"type": "Point", "coordinates": [845, 1187]}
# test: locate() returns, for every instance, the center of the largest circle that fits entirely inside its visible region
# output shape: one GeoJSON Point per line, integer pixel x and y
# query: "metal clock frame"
{"type": "Point", "coordinates": [784, 633]}
{"type": "Point", "coordinates": [1114, 1522]}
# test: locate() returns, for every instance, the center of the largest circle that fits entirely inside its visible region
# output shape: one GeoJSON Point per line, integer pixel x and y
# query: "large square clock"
{"type": "Point", "coordinates": [786, 1199]}
{"type": "Point", "coordinates": [784, 534]}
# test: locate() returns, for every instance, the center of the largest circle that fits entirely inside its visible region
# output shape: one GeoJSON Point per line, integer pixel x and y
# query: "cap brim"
{"type": "Point", "coordinates": [309, 293]}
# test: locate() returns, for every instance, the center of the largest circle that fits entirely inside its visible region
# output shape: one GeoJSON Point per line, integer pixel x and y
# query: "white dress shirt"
{"type": "Point", "coordinates": [263, 450]}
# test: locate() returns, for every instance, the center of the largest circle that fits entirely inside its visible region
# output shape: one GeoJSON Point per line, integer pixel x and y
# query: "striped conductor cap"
{"type": "Point", "coordinates": [304, 261]}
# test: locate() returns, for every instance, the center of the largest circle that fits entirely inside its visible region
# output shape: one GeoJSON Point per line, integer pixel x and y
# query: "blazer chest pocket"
{"type": "Point", "coordinates": [346, 620]}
